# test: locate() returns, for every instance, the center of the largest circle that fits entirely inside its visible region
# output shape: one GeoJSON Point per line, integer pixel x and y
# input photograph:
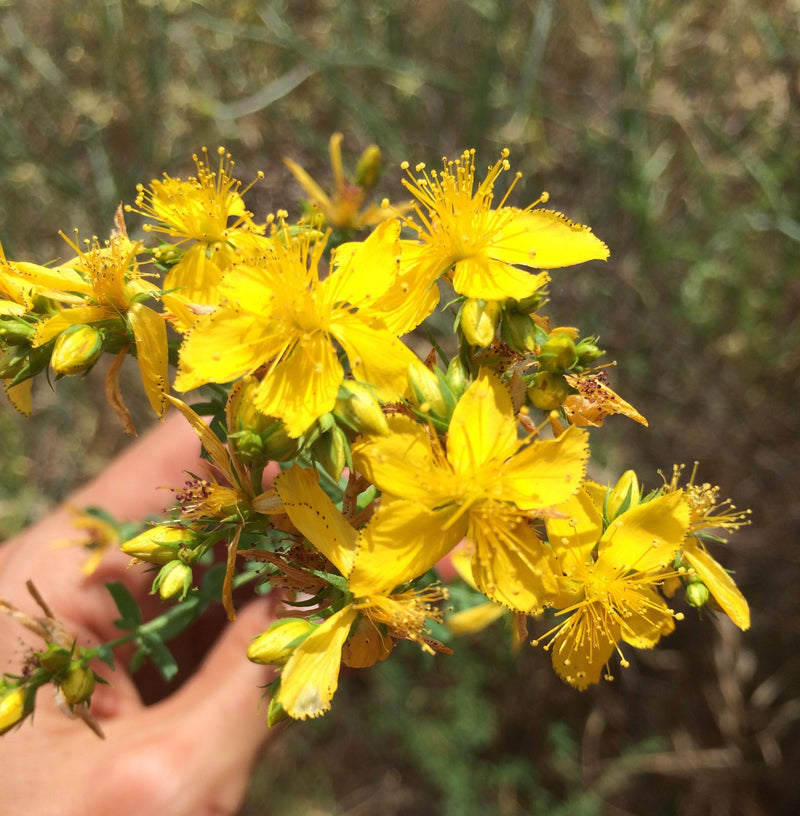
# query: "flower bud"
{"type": "Point", "coordinates": [55, 659]}
{"type": "Point", "coordinates": [558, 354]}
{"type": "Point", "coordinates": [173, 580]}
{"type": "Point", "coordinates": [458, 377]}
{"type": "Point", "coordinates": [358, 406]}
{"type": "Point", "coordinates": [697, 594]}
{"type": "Point", "coordinates": [623, 496]}
{"type": "Point", "coordinates": [588, 351]}
{"type": "Point", "coordinates": [426, 390]}
{"type": "Point", "coordinates": [161, 544]}
{"type": "Point", "coordinates": [479, 320]}
{"type": "Point", "coordinates": [15, 704]}
{"type": "Point", "coordinates": [78, 684]}
{"type": "Point", "coordinates": [275, 646]}
{"type": "Point", "coordinates": [76, 350]}
{"type": "Point", "coordinates": [368, 169]}
{"type": "Point", "coordinates": [15, 331]}
{"type": "Point", "coordinates": [548, 391]}
{"type": "Point", "coordinates": [332, 452]}
{"type": "Point", "coordinates": [527, 305]}
{"type": "Point", "coordinates": [518, 331]}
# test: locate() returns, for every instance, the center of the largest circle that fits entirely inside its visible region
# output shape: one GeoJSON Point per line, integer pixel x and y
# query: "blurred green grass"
{"type": "Point", "coordinates": [673, 130]}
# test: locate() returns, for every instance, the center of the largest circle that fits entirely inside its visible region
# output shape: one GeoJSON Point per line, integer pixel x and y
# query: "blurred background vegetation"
{"type": "Point", "coordinates": [673, 129]}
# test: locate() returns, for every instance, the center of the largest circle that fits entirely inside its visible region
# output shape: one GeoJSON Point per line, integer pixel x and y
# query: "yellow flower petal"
{"type": "Point", "coordinates": [402, 541]}
{"type": "Point", "coordinates": [476, 619]}
{"type": "Point", "coordinates": [303, 386]}
{"type": "Point", "coordinates": [545, 239]}
{"type": "Point", "coordinates": [401, 462]}
{"type": "Point", "coordinates": [512, 566]}
{"type": "Point", "coordinates": [489, 279]}
{"type": "Point", "coordinates": [646, 537]}
{"type": "Point", "coordinates": [150, 334]}
{"type": "Point", "coordinates": [483, 428]}
{"type": "Point", "coordinates": [575, 536]}
{"type": "Point", "coordinates": [222, 347]}
{"type": "Point", "coordinates": [364, 270]}
{"type": "Point", "coordinates": [316, 517]}
{"type": "Point", "coordinates": [311, 676]}
{"type": "Point", "coordinates": [547, 472]}
{"type": "Point", "coordinates": [719, 583]}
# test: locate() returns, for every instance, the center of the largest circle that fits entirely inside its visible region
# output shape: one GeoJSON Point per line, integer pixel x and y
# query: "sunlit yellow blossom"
{"type": "Point", "coordinates": [487, 487]}
{"type": "Point", "coordinates": [344, 209]}
{"type": "Point", "coordinates": [104, 285]}
{"type": "Point", "coordinates": [284, 316]}
{"type": "Point", "coordinates": [608, 580]}
{"type": "Point", "coordinates": [311, 675]}
{"type": "Point", "coordinates": [208, 210]}
{"type": "Point", "coordinates": [709, 513]}
{"type": "Point", "coordinates": [479, 245]}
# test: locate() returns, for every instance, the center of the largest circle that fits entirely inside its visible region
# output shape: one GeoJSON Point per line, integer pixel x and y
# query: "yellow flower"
{"type": "Point", "coordinates": [104, 286]}
{"type": "Point", "coordinates": [209, 211]}
{"type": "Point", "coordinates": [343, 209]}
{"type": "Point", "coordinates": [311, 674]}
{"type": "Point", "coordinates": [284, 316]}
{"type": "Point", "coordinates": [462, 234]}
{"type": "Point", "coordinates": [707, 513]}
{"type": "Point", "coordinates": [487, 487]}
{"type": "Point", "coordinates": [608, 578]}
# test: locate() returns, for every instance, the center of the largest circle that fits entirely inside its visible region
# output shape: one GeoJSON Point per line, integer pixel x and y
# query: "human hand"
{"type": "Point", "coordinates": [189, 753]}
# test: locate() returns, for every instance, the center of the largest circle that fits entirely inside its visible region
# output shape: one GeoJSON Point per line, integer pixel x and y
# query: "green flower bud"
{"type": "Point", "coordinates": [76, 350]}
{"type": "Point", "coordinates": [368, 169]}
{"type": "Point", "coordinates": [358, 406]}
{"type": "Point", "coordinates": [55, 659]}
{"type": "Point", "coordinates": [173, 580]}
{"type": "Point", "coordinates": [276, 444]}
{"type": "Point", "coordinates": [275, 646]}
{"type": "Point", "coordinates": [527, 305]}
{"type": "Point", "coordinates": [558, 354]}
{"type": "Point", "coordinates": [548, 391]}
{"type": "Point", "coordinates": [15, 704]}
{"type": "Point", "coordinates": [162, 544]}
{"type": "Point", "coordinates": [479, 320]}
{"type": "Point", "coordinates": [332, 452]}
{"type": "Point", "coordinates": [78, 684]}
{"type": "Point", "coordinates": [458, 377]}
{"type": "Point", "coordinates": [518, 331]}
{"type": "Point", "coordinates": [623, 496]}
{"type": "Point", "coordinates": [588, 351]}
{"type": "Point", "coordinates": [697, 594]}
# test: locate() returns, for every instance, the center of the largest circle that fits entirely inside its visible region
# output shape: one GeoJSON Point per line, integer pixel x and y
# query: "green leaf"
{"type": "Point", "coordinates": [131, 617]}
{"type": "Point", "coordinates": [160, 655]}
{"type": "Point", "coordinates": [106, 654]}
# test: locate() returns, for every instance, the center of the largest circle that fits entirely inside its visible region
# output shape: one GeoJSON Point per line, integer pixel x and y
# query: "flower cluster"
{"type": "Point", "coordinates": [394, 458]}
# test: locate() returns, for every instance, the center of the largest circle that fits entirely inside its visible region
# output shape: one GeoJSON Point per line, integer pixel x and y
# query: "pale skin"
{"type": "Point", "coordinates": [190, 753]}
